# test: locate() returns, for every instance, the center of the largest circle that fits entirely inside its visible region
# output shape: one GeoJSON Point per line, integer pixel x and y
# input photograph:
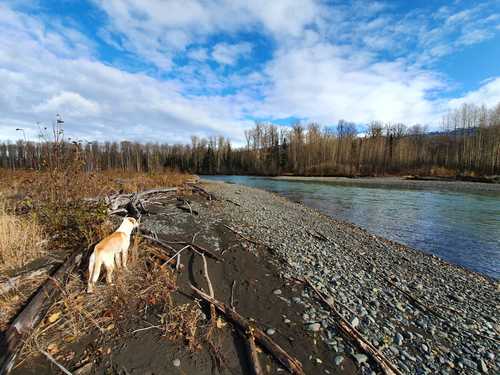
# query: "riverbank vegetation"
{"type": "Point", "coordinates": [49, 207]}
{"type": "Point", "coordinates": [467, 145]}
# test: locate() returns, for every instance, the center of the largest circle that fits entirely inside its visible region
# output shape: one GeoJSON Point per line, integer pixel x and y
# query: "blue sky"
{"type": "Point", "coordinates": [165, 70]}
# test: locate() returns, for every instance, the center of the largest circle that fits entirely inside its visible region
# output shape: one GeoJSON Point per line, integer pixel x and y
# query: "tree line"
{"type": "Point", "coordinates": [467, 144]}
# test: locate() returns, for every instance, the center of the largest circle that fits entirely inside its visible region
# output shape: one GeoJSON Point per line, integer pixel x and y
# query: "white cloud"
{"type": "Point", "coordinates": [199, 54]}
{"type": "Point", "coordinates": [158, 29]}
{"type": "Point", "coordinates": [98, 101]}
{"type": "Point", "coordinates": [229, 54]}
{"type": "Point", "coordinates": [69, 103]}
{"type": "Point", "coordinates": [488, 94]}
{"type": "Point", "coordinates": [322, 84]}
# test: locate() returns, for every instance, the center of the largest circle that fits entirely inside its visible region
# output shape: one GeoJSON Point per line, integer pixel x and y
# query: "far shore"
{"type": "Point", "coordinates": [401, 182]}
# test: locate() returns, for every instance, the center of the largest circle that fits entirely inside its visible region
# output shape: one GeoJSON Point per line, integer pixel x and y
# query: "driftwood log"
{"type": "Point", "coordinates": [33, 312]}
{"type": "Point", "coordinates": [353, 334]}
{"type": "Point", "coordinates": [121, 201]}
{"type": "Point", "coordinates": [291, 364]}
{"type": "Point", "coordinates": [14, 282]}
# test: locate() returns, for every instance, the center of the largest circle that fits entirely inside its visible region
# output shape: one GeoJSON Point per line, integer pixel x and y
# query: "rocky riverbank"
{"type": "Point", "coordinates": [425, 315]}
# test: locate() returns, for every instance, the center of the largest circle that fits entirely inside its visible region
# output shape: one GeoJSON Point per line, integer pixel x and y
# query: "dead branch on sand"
{"type": "Point", "coordinates": [213, 315]}
{"type": "Point", "coordinates": [291, 364]}
{"type": "Point", "coordinates": [317, 235]}
{"type": "Point", "coordinates": [242, 235]}
{"type": "Point", "coordinates": [352, 333]}
{"type": "Point", "coordinates": [153, 237]}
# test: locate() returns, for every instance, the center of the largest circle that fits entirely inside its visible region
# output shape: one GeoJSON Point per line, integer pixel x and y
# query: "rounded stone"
{"type": "Point", "coordinates": [270, 331]}
{"type": "Point", "coordinates": [314, 327]}
{"type": "Point", "coordinates": [338, 360]}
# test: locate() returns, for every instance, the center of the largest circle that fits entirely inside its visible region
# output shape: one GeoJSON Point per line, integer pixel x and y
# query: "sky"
{"type": "Point", "coordinates": [164, 70]}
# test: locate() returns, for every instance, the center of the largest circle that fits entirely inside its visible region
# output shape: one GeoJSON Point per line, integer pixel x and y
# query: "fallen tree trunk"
{"type": "Point", "coordinates": [33, 313]}
{"type": "Point", "coordinates": [15, 281]}
{"type": "Point", "coordinates": [352, 333]}
{"type": "Point", "coordinates": [291, 364]}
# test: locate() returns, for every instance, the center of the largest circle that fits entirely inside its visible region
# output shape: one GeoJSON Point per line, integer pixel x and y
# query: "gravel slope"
{"type": "Point", "coordinates": [455, 327]}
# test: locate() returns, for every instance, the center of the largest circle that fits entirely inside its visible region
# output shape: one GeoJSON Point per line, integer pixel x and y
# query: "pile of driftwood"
{"type": "Point", "coordinates": [133, 205]}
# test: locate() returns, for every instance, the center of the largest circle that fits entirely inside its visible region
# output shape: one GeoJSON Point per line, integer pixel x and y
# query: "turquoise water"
{"type": "Point", "coordinates": [462, 228]}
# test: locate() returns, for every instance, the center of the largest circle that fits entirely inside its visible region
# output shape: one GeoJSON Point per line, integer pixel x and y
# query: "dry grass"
{"type": "Point", "coordinates": [442, 172]}
{"type": "Point", "coordinates": [55, 200]}
{"type": "Point", "coordinates": [111, 310]}
{"type": "Point", "coordinates": [21, 239]}
{"type": "Point", "coordinates": [51, 205]}
{"type": "Point", "coordinates": [86, 184]}
{"type": "Point", "coordinates": [182, 324]}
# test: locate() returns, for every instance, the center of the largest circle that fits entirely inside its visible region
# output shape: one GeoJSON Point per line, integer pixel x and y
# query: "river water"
{"type": "Point", "coordinates": [460, 227]}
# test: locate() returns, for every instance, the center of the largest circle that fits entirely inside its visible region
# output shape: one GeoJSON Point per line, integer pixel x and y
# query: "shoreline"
{"type": "Point", "coordinates": [399, 182]}
{"type": "Point", "coordinates": [376, 283]}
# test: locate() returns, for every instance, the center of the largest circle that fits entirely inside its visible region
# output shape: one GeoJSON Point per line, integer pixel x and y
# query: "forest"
{"type": "Point", "coordinates": [467, 144]}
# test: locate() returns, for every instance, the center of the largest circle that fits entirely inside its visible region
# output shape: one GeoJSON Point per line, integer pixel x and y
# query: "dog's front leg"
{"type": "Point", "coordinates": [109, 274]}
{"type": "Point", "coordinates": [125, 258]}
{"type": "Point", "coordinates": [118, 260]}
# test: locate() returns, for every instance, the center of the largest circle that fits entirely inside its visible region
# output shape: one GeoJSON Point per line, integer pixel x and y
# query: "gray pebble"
{"type": "Point", "coordinates": [360, 358]}
{"type": "Point", "coordinates": [398, 339]}
{"type": "Point", "coordinates": [483, 366]}
{"type": "Point", "coordinates": [314, 327]}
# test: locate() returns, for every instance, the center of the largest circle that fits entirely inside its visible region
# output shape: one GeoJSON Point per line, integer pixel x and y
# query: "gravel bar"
{"type": "Point", "coordinates": [425, 315]}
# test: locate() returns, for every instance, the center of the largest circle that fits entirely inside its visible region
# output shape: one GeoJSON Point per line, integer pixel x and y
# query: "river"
{"type": "Point", "coordinates": [460, 227]}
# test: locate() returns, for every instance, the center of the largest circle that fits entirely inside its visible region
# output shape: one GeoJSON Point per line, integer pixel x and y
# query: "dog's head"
{"type": "Point", "coordinates": [133, 222]}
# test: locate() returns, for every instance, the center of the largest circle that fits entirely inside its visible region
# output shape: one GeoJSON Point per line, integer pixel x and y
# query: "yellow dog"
{"type": "Point", "coordinates": [112, 248]}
